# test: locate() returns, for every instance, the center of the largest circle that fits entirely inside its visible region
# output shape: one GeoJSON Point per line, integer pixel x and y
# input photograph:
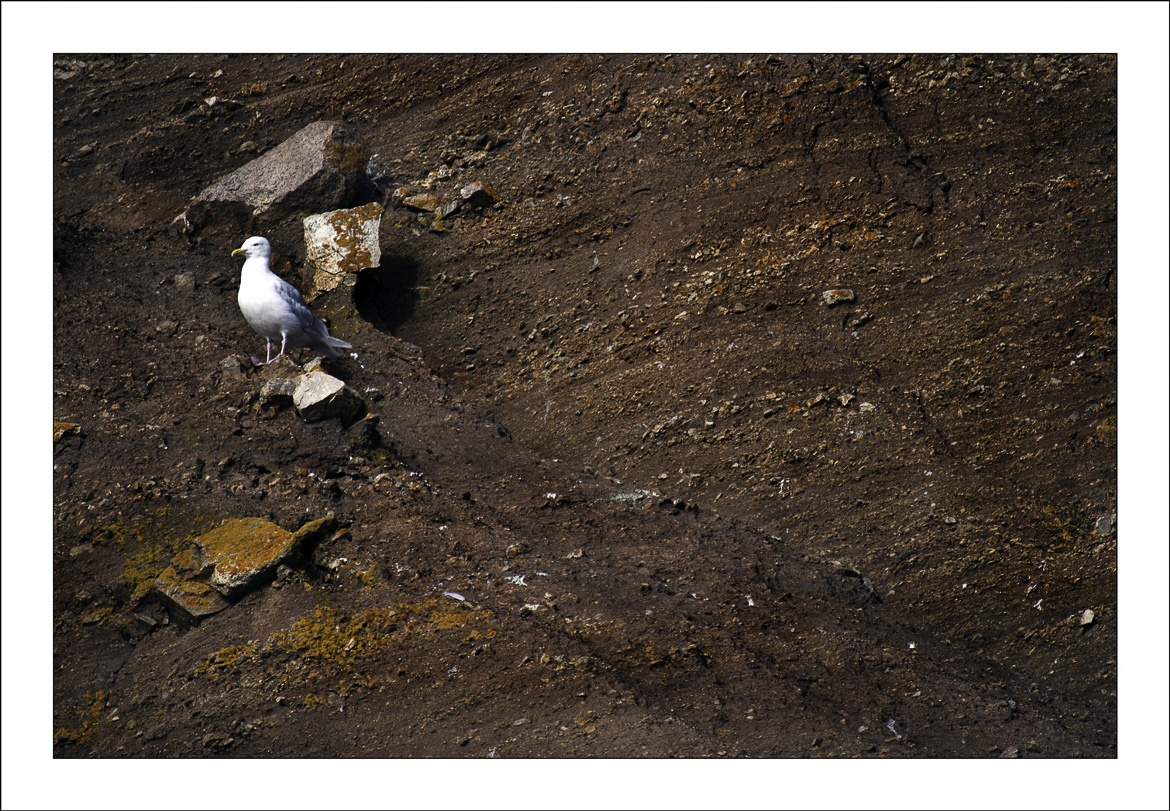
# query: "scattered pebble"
{"type": "Point", "coordinates": [837, 295]}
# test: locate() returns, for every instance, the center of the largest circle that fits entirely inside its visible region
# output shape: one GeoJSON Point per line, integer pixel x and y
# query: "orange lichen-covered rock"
{"type": "Point", "coordinates": [192, 599]}
{"type": "Point", "coordinates": [234, 558]}
{"type": "Point", "coordinates": [244, 550]}
{"type": "Point", "coordinates": [340, 244]}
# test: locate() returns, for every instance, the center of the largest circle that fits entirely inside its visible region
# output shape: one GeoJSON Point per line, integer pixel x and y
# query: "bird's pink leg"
{"type": "Point", "coordinates": [267, 354]}
{"type": "Point", "coordinates": [283, 344]}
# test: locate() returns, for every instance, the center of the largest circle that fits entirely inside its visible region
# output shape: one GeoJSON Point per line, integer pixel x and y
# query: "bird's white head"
{"type": "Point", "coordinates": [254, 247]}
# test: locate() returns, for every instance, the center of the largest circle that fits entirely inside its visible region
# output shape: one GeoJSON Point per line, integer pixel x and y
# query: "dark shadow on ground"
{"type": "Point", "coordinates": [385, 295]}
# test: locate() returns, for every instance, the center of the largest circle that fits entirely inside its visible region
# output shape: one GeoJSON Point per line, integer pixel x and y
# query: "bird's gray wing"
{"type": "Point", "coordinates": [310, 324]}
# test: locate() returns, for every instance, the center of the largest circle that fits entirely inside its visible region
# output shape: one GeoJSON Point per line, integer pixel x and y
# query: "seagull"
{"type": "Point", "coordinates": [276, 309]}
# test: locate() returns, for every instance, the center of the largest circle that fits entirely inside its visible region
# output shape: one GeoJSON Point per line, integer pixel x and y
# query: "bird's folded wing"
{"type": "Point", "coordinates": [310, 324]}
{"type": "Point", "coordinates": [289, 293]}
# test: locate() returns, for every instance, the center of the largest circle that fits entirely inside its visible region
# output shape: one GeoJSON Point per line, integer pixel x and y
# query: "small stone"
{"type": "Point", "coordinates": [232, 368]}
{"type": "Point", "coordinates": [60, 429]}
{"type": "Point", "coordinates": [277, 393]}
{"type": "Point", "coordinates": [314, 365]}
{"type": "Point", "coordinates": [313, 531]}
{"type": "Point", "coordinates": [421, 202]}
{"type": "Point", "coordinates": [144, 624]}
{"type": "Point", "coordinates": [219, 104]}
{"type": "Point", "coordinates": [320, 396]}
{"type": "Point", "coordinates": [1105, 524]}
{"type": "Point", "coordinates": [181, 225]}
{"type": "Point", "coordinates": [216, 739]}
{"type": "Point", "coordinates": [284, 368]}
{"type": "Point", "coordinates": [837, 295]}
{"type": "Point", "coordinates": [479, 194]}
{"type": "Point", "coordinates": [1088, 617]}
{"type": "Point", "coordinates": [184, 281]}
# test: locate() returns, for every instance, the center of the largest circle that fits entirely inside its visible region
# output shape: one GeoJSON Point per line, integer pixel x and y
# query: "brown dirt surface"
{"type": "Point", "coordinates": [630, 486]}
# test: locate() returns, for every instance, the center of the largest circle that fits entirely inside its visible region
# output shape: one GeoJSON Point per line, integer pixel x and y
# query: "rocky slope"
{"type": "Point", "coordinates": [633, 482]}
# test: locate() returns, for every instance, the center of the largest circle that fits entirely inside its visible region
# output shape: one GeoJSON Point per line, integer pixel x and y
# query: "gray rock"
{"type": "Point", "coordinates": [232, 368]}
{"type": "Point", "coordinates": [317, 167]}
{"type": "Point", "coordinates": [340, 244]}
{"type": "Point", "coordinates": [320, 396]}
{"type": "Point", "coordinates": [278, 392]}
{"type": "Point", "coordinates": [1106, 524]}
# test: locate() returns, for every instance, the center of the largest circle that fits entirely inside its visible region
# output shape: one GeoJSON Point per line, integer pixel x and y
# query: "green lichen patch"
{"type": "Point", "coordinates": [225, 660]}
{"type": "Point", "coordinates": [148, 542]}
{"type": "Point", "coordinates": [90, 713]}
{"type": "Point", "coordinates": [334, 636]}
{"type": "Point", "coordinates": [312, 701]}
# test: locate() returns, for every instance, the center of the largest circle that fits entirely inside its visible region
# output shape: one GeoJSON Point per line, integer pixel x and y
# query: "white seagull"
{"type": "Point", "coordinates": [276, 309]}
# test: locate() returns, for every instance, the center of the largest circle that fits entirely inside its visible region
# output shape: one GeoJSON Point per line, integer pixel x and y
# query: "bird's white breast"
{"type": "Point", "coordinates": [261, 302]}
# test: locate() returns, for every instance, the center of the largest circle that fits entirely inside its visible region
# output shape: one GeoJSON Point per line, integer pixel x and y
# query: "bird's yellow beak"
{"type": "Point", "coordinates": [237, 251]}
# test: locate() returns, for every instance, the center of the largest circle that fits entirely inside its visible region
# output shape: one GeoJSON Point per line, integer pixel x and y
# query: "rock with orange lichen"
{"type": "Point", "coordinates": [243, 551]}
{"type": "Point", "coordinates": [229, 561]}
{"type": "Point", "coordinates": [191, 599]}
